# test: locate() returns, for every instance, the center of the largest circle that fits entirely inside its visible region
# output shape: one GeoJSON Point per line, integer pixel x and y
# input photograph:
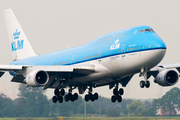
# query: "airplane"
{"type": "Point", "coordinates": [109, 60]}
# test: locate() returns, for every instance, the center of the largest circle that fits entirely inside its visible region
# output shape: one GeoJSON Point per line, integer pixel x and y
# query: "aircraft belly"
{"type": "Point", "coordinates": [132, 63]}
{"type": "Point", "coordinates": [89, 79]}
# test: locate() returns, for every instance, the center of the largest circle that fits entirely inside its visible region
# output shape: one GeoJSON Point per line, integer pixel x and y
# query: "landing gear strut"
{"type": "Point", "coordinates": [144, 83]}
{"type": "Point", "coordinates": [117, 94]}
{"type": "Point", "coordinates": [59, 96]}
{"type": "Point", "coordinates": [71, 96]}
{"type": "Point", "coordinates": [91, 96]}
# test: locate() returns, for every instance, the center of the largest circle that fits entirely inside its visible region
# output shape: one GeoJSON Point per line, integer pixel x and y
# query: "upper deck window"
{"type": "Point", "coordinates": [146, 30]}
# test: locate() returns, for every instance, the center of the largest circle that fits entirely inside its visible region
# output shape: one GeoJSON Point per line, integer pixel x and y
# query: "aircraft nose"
{"type": "Point", "coordinates": [159, 42]}
{"type": "Point", "coordinates": [161, 46]}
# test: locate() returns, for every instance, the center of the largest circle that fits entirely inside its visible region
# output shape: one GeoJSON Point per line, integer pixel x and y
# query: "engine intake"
{"type": "Point", "coordinates": [37, 78]}
{"type": "Point", "coordinates": [167, 78]}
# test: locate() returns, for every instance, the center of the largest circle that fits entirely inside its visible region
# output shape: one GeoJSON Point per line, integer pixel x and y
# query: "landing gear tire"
{"type": "Point", "coordinates": [87, 98]}
{"type": "Point", "coordinates": [96, 96]}
{"type": "Point", "coordinates": [147, 84]}
{"type": "Point", "coordinates": [54, 99]}
{"type": "Point", "coordinates": [75, 96]}
{"type": "Point", "coordinates": [56, 91]}
{"type": "Point", "coordinates": [142, 84]}
{"type": "Point", "coordinates": [62, 92]}
{"type": "Point", "coordinates": [60, 98]}
{"type": "Point", "coordinates": [72, 98]}
{"type": "Point", "coordinates": [66, 97]}
{"type": "Point", "coordinates": [92, 98]}
{"type": "Point", "coordinates": [113, 98]}
{"type": "Point", "coordinates": [121, 91]}
{"type": "Point", "coordinates": [119, 98]}
{"type": "Point", "coordinates": [115, 91]}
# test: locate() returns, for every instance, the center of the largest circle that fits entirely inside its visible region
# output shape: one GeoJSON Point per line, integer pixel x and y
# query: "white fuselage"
{"type": "Point", "coordinates": [119, 66]}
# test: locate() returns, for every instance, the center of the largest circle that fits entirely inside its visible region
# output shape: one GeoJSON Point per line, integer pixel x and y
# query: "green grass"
{"type": "Point", "coordinates": [98, 118]}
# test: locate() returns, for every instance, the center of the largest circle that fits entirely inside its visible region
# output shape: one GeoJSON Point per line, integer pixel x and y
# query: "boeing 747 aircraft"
{"type": "Point", "coordinates": [110, 60]}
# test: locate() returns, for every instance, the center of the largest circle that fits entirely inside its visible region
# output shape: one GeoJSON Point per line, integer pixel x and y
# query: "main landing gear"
{"type": "Point", "coordinates": [117, 94]}
{"type": "Point", "coordinates": [91, 96]}
{"type": "Point", "coordinates": [144, 83]}
{"type": "Point", "coordinates": [59, 96]}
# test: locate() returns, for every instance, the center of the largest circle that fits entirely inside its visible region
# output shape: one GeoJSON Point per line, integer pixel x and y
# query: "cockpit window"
{"type": "Point", "coordinates": [146, 30]}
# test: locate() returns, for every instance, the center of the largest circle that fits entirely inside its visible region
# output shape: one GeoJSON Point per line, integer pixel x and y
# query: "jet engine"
{"type": "Point", "coordinates": [167, 78]}
{"type": "Point", "coordinates": [37, 78]}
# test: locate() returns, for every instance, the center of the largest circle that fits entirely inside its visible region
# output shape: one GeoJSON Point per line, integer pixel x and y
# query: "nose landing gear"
{"type": "Point", "coordinates": [144, 83]}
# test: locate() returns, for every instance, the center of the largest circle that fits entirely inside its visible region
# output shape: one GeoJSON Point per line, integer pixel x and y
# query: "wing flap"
{"type": "Point", "coordinates": [59, 68]}
{"type": "Point", "coordinates": [18, 78]}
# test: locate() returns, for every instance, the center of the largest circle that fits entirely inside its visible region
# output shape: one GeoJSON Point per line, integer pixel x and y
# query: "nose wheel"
{"type": "Point", "coordinates": [144, 84]}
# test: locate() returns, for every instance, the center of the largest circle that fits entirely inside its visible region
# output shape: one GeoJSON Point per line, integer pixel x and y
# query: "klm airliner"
{"type": "Point", "coordinates": [110, 60]}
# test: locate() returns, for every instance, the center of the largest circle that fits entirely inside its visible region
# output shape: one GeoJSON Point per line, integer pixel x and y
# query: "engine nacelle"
{"type": "Point", "coordinates": [167, 78]}
{"type": "Point", "coordinates": [37, 78]}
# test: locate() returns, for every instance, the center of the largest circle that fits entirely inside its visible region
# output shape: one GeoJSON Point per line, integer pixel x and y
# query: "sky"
{"type": "Point", "coordinates": [53, 25]}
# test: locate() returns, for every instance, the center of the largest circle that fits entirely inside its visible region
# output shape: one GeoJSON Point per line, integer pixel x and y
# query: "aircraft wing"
{"type": "Point", "coordinates": [165, 75]}
{"type": "Point", "coordinates": [10, 67]}
{"type": "Point", "coordinates": [168, 66]}
{"type": "Point", "coordinates": [68, 70]}
{"type": "Point", "coordinates": [4, 68]}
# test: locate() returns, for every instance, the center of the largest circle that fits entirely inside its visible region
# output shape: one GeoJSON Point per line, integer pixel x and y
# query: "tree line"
{"type": "Point", "coordinates": [32, 102]}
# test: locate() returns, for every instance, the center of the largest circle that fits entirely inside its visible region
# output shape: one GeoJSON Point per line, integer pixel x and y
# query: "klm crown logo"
{"type": "Point", "coordinates": [17, 44]}
{"type": "Point", "coordinates": [16, 34]}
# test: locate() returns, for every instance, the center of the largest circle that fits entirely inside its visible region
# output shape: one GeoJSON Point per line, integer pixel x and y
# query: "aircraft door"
{"type": "Point", "coordinates": [123, 48]}
{"type": "Point", "coordinates": [51, 62]}
{"type": "Point", "coordinates": [72, 59]}
{"type": "Point", "coordinates": [99, 56]}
